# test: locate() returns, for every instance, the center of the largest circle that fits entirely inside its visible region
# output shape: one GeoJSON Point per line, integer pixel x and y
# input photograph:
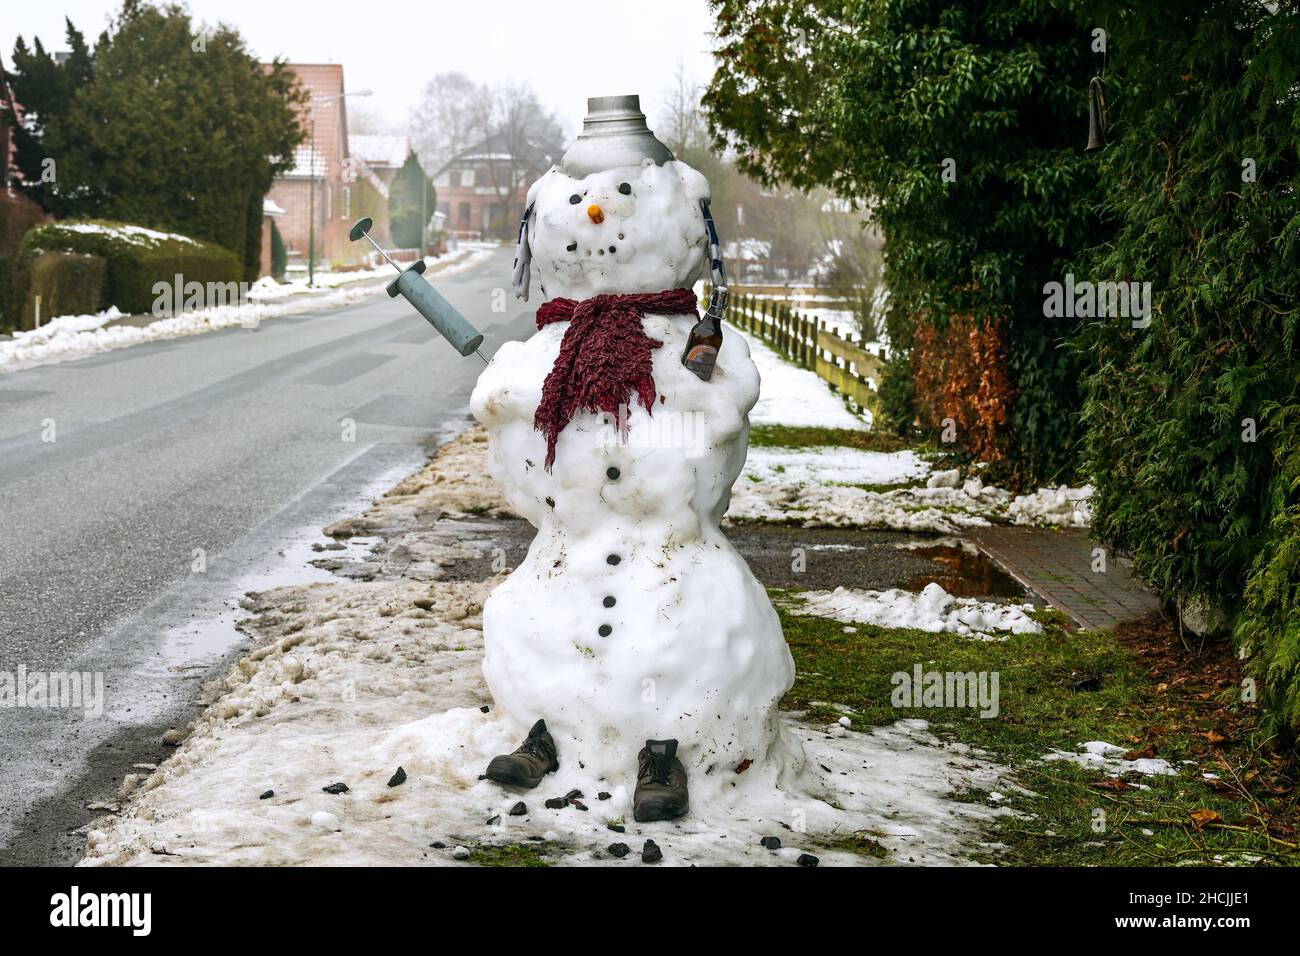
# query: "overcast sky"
{"type": "Point", "coordinates": [567, 49]}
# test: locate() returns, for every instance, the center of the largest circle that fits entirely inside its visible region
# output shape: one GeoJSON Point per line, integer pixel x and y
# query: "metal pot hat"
{"type": "Point", "coordinates": [613, 134]}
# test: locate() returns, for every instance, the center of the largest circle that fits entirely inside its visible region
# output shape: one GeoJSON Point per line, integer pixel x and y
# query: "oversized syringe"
{"type": "Point", "coordinates": [412, 286]}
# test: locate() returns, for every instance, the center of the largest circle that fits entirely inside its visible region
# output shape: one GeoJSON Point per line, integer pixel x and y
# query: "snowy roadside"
{"type": "Point", "coordinates": [76, 336]}
{"type": "Point", "coordinates": [350, 680]}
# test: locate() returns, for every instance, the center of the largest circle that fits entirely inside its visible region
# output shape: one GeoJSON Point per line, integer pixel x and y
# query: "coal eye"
{"type": "Point", "coordinates": [575, 199]}
{"type": "Point", "coordinates": [625, 188]}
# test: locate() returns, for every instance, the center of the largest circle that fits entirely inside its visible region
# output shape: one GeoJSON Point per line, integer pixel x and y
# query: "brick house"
{"type": "Point", "coordinates": [474, 190]}
{"type": "Point", "coordinates": [327, 167]}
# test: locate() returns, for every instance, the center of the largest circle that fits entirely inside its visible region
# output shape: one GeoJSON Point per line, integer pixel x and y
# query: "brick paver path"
{"type": "Point", "coordinates": [1057, 564]}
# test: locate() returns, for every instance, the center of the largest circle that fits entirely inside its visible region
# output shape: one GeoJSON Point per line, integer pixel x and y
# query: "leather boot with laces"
{"type": "Point", "coordinates": [526, 767]}
{"type": "Point", "coordinates": [660, 783]}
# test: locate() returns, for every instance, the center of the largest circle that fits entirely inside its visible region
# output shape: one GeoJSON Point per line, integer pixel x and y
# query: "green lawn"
{"type": "Point", "coordinates": [1039, 711]}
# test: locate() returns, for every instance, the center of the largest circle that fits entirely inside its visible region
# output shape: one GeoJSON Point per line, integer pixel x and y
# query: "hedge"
{"type": "Point", "coordinates": [1193, 423]}
{"type": "Point", "coordinates": [68, 283]}
{"type": "Point", "coordinates": [136, 259]}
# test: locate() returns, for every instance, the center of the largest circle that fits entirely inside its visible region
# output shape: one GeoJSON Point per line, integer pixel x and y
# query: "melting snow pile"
{"type": "Point", "coordinates": [350, 680]}
{"type": "Point", "coordinates": [934, 610]}
{"type": "Point", "coordinates": [1099, 755]}
{"type": "Point", "coordinates": [1061, 506]}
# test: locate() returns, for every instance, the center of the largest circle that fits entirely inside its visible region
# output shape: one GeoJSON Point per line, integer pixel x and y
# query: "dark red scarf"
{"type": "Point", "coordinates": [604, 357]}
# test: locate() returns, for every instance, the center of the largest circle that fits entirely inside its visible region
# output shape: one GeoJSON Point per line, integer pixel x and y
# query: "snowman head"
{"type": "Point", "coordinates": [628, 229]}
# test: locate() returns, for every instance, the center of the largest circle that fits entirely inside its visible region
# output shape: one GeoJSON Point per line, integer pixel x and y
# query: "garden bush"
{"type": "Point", "coordinates": [67, 283]}
{"type": "Point", "coordinates": [1193, 423]}
{"type": "Point", "coordinates": [136, 259]}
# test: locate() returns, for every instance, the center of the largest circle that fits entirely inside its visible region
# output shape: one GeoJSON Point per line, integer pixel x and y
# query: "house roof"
{"type": "Point", "coordinates": [380, 151]}
{"type": "Point", "coordinates": [534, 155]}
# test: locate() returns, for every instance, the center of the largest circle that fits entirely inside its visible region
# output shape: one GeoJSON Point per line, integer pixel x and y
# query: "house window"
{"type": "Point", "coordinates": [347, 202]}
{"type": "Point", "coordinates": [467, 178]}
{"type": "Point", "coordinates": [464, 215]}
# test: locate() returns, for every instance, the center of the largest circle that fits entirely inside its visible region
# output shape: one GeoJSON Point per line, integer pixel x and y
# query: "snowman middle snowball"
{"type": "Point", "coordinates": [632, 616]}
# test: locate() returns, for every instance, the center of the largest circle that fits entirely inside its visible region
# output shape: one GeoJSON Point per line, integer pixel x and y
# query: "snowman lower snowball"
{"type": "Point", "coordinates": [633, 639]}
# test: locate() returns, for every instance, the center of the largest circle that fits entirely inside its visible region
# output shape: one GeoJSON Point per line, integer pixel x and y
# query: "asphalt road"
{"type": "Point", "coordinates": [180, 474]}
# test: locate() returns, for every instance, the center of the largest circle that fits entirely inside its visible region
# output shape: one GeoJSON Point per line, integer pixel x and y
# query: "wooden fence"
{"type": "Point", "coordinates": [848, 366]}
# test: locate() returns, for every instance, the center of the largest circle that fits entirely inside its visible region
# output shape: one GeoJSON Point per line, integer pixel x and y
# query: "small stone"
{"type": "Point", "coordinates": [484, 709]}
{"type": "Point", "coordinates": [573, 795]}
{"type": "Point", "coordinates": [619, 850]}
{"type": "Point", "coordinates": [494, 820]}
{"type": "Point", "coordinates": [579, 804]}
{"type": "Point", "coordinates": [437, 845]}
{"type": "Point", "coordinates": [807, 859]}
{"type": "Point", "coordinates": [604, 630]}
{"type": "Point", "coordinates": [616, 827]}
{"type": "Point", "coordinates": [845, 722]}
{"type": "Point", "coordinates": [398, 778]}
{"type": "Point", "coordinates": [267, 795]}
{"type": "Point", "coordinates": [772, 843]}
{"type": "Point", "coordinates": [460, 853]}
{"type": "Point", "coordinates": [650, 853]}
{"type": "Point", "coordinates": [609, 601]}
{"type": "Point", "coordinates": [612, 473]}
{"type": "Point", "coordinates": [603, 795]}
{"type": "Point", "coordinates": [613, 559]}
{"type": "Point", "coordinates": [556, 803]}
{"type": "Point", "coordinates": [520, 809]}
{"type": "Point", "coordinates": [336, 788]}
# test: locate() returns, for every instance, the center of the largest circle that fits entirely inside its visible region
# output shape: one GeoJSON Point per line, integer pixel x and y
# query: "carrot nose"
{"type": "Point", "coordinates": [595, 214]}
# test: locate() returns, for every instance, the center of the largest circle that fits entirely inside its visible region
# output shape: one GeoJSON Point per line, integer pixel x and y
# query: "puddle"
{"type": "Point", "coordinates": [964, 572]}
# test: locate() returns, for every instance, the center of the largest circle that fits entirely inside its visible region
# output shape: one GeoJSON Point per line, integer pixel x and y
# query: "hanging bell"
{"type": "Point", "coordinates": [1098, 121]}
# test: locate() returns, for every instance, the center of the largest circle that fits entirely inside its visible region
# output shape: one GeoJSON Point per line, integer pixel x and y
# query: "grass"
{"type": "Point", "coordinates": [1251, 811]}
{"type": "Point", "coordinates": [816, 436]}
{"type": "Point", "coordinates": [509, 854]}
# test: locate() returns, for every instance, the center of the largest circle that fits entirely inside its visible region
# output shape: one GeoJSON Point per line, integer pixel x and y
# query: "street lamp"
{"type": "Point", "coordinates": [311, 181]}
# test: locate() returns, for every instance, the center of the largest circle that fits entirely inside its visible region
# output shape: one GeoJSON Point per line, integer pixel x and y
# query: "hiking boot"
{"type": "Point", "coordinates": [660, 783]}
{"type": "Point", "coordinates": [526, 767]}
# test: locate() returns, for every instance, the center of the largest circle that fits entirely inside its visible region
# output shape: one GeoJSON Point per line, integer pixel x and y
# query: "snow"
{"type": "Point", "coordinates": [345, 680]}
{"type": "Point", "coordinates": [933, 610]}
{"type": "Point", "coordinates": [1061, 506]}
{"type": "Point", "coordinates": [136, 235]}
{"type": "Point", "coordinates": [1099, 755]}
{"type": "Point", "coordinates": [671, 653]}
{"type": "Point", "coordinates": [69, 337]}
{"type": "Point", "coordinates": [789, 395]}
{"type": "Point", "coordinates": [350, 680]}
{"type": "Point", "coordinates": [834, 465]}
{"type": "Point", "coordinates": [656, 230]}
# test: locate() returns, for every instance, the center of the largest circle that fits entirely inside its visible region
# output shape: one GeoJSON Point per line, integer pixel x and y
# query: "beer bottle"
{"type": "Point", "coordinates": [702, 346]}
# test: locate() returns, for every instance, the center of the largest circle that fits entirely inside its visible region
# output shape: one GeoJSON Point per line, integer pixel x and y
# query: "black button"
{"type": "Point", "coordinates": [613, 559]}
{"type": "Point", "coordinates": [613, 473]}
{"type": "Point", "coordinates": [609, 600]}
{"type": "Point", "coordinates": [605, 630]}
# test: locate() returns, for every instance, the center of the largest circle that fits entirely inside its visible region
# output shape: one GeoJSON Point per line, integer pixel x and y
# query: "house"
{"type": "Point", "coordinates": [17, 212]}
{"type": "Point", "coordinates": [383, 154]}
{"type": "Point", "coordinates": [482, 191]}
{"type": "Point", "coordinates": [322, 180]}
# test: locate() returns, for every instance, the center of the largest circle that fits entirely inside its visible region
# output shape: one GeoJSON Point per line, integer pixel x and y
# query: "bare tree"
{"type": "Point", "coordinates": [448, 119]}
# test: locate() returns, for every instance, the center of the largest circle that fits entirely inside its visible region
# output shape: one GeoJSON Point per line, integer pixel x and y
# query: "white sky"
{"type": "Point", "coordinates": [567, 49]}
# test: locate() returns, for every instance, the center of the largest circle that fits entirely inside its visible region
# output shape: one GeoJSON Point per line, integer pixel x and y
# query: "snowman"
{"type": "Point", "coordinates": [633, 639]}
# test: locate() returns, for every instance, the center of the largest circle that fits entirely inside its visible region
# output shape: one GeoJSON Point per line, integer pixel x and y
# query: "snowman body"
{"type": "Point", "coordinates": [632, 616]}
